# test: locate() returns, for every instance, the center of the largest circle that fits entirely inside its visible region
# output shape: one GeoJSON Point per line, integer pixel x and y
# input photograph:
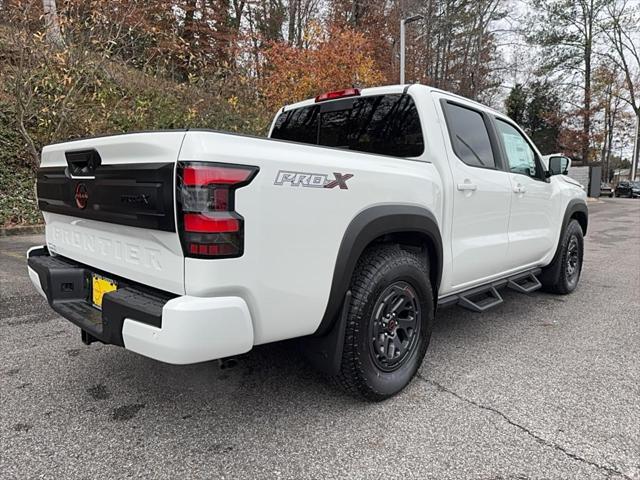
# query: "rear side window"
{"type": "Point", "coordinates": [381, 124]}
{"type": "Point", "coordinates": [469, 136]}
{"type": "Point", "coordinates": [299, 125]}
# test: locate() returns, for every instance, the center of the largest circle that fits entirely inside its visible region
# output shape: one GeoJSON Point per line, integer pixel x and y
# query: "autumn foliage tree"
{"type": "Point", "coordinates": [73, 68]}
{"type": "Point", "coordinates": [334, 60]}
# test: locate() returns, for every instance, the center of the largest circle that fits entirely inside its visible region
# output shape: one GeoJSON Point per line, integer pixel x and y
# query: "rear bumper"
{"type": "Point", "coordinates": [159, 325]}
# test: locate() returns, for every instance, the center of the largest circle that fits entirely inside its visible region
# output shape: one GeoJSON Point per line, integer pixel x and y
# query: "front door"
{"type": "Point", "coordinates": [530, 224]}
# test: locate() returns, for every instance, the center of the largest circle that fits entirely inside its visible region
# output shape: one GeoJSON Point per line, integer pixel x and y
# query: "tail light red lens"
{"type": "Point", "coordinates": [196, 222]}
{"type": "Point", "coordinates": [209, 225]}
{"type": "Point", "coordinates": [197, 175]}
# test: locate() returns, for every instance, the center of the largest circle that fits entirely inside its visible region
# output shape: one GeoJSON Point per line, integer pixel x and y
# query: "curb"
{"type": "Point", "coordinates": [21, 230]}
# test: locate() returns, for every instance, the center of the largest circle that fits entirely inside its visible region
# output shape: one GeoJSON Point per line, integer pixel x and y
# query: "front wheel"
{"type": "Point", "coordinates": [388, 324]}
{"type": "Point", "coordinates": [563, 274]}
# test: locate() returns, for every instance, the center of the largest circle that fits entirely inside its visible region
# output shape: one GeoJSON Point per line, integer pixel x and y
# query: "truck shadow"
{"type": "Point", "coordinates": [274, 381]}
{"type": "Point", "coordinates": [279, 370]}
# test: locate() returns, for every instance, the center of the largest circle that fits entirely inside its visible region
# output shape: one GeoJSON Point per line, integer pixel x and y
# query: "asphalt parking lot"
{"type": "Point", "coordinates": [540, 387]}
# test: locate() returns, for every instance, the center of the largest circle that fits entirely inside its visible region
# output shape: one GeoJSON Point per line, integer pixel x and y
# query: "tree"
{"type": "Point", "coordinates": [567, 31]}
{"type": "Point", "coordinates": [52, 23]}
{"type": "Point", "coordinates": [536, 109]}
{"type": "Point", "coordinates": [378, 21]}
{"type": "Point", "coordinates": [624, 27]}
{"type": "Point", "coordinates": [543, 117]}
{"type": "Point", "coordinates": [608, 86]}
{"type": "Point", "coordinates": [334, 60]}
{"type": "Point", "coordinates": [455, 46]}
{"type": "Point", "coordinates": [300, 14]}
{"type": "Point", "coordinates": [516, 104]}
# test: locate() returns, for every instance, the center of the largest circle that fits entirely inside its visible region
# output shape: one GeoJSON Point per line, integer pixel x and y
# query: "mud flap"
{"type": "Point", "coordinates": [325, 353]}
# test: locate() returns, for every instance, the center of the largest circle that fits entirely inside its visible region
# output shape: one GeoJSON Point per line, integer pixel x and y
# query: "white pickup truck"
{"type": "Point", "coordinates": [362, 214]}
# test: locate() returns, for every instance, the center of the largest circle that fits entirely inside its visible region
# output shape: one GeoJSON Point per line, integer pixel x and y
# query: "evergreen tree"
{"type": "Point", "coordinates": [537, 110]}
{"type": "Point", "coordinates": [516, 104]}
{"type": "Point", "coordinates": [542, 117]}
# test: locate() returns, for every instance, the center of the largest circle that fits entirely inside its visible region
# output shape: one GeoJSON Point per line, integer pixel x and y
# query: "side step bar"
{"type": "Point", "coordinates": [526, 283]}
{"type": "Point", "coordinates": [484, 297]}
{"type": "Point", "coordinates": [481, 299]}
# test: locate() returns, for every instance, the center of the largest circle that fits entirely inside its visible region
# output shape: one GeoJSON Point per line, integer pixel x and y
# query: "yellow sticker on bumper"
{"type": "Point", "coordinates": [100, 286]}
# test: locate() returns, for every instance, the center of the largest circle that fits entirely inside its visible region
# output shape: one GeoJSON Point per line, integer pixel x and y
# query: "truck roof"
{"type": "Point", "coordinates": [389, 89]}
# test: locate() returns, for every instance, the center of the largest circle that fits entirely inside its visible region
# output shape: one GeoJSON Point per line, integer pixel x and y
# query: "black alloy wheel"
{"type": "Point", "coordinates": [389, 321]}
{"type": "Point", "coordinates": [563, 273]}
{"type": "Point", "coordinates": [573, 261]}
{"type": "Point", "coordinates": [394, 326]}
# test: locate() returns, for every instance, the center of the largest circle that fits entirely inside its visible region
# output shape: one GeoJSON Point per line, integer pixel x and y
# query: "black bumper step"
{"type": "Point", "coordinates": [67, 285]}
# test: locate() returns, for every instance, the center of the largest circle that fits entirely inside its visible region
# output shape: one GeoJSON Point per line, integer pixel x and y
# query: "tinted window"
{"type": "Point", "coordinates": [469, 136]}
{"type": "Point", "coordinates": [335, 127]}
{"type": "Point", "coordinates": [382, 124]}
{"type": "Point", "coordinates": [299, 125]}
{"type": "Point", "coordinates": [520, 155]}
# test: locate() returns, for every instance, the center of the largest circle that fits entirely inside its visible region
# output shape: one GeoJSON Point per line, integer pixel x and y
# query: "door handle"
{"type": "Point", "coordinates": [519, 189]}
{"type": "Point", "coordinates": [468, 187]}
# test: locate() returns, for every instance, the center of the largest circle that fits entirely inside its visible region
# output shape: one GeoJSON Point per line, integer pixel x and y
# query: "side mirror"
{"type": "Point", "coordinates": [559, 165]}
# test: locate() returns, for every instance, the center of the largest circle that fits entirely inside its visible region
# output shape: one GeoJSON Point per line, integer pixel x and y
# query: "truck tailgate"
{"type": "Point", "coordinates": [109, 203]}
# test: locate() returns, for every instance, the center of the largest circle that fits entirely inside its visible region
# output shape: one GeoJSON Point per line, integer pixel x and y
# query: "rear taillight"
{"type": "Point", "coordinates": [209, 225]}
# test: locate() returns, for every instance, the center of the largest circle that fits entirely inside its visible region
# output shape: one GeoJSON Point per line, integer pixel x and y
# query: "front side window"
{"type": "Point", "coordinates": [520, 155]}
{"type": "Point", "coordinates": [469, 136]}
{"type": "Point", "coordinates": [380, 124]}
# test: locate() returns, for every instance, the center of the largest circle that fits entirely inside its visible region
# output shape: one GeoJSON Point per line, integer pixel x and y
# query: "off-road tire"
{"type": "Point", "coordinates": [557, 277]}
{"type": "Point", "coordinates": [380, 269]}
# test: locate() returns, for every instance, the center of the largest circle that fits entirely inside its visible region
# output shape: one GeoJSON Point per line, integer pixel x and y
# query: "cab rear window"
{"type": "Point", "coordinates": [380, 124]}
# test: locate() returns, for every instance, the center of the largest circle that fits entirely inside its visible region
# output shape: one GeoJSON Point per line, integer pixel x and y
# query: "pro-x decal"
{"type": "Point", "coordinates": [312, 180]}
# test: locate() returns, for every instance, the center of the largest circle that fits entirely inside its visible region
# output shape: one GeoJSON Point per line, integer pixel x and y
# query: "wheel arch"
{"type": "Point", "coordinates": [576, 209]}
{"type": "Point", "coordinates": [407, 225]}
{"type": "Point", "coordinates": [583, 219]}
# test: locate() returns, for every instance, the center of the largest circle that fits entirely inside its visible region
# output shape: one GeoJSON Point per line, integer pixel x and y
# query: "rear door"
{"type": "Point", "coordinates": [481, 196]}
{"type": "Point", "coordinates": [109, 203]}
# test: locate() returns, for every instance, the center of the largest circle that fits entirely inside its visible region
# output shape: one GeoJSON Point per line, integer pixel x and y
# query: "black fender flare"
{"type": "Point", "coordinates": [368, 225]}
{"type": "Point", "coordinates": [575, 206]}
{"type": "Point", "coordinates": [324, 348]}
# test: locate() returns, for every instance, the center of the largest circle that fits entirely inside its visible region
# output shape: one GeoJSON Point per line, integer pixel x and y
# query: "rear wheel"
{"type": "Point", "coordinates": [388, 324]}
{"type": "Point", "coordinates": [563, 274]}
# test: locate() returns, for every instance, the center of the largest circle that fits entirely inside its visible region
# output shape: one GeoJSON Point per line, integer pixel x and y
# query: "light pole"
{"type": "Point", "coordinates": [635, 156]}
{"type": "Point", "coordinates": [403, 22]}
